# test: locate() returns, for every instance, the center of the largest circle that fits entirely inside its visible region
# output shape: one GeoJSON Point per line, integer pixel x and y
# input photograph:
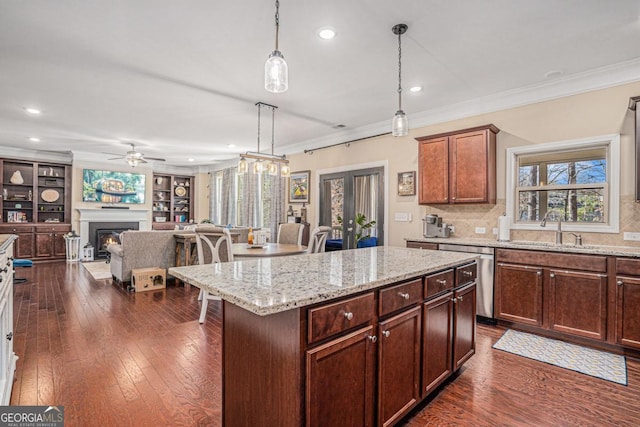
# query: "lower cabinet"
{"type": "Point", "coordinates": [7, 356]}
{"type": "Point", "coordinates": [24, 245]}
{"type": "Point", "coordinates": [437, 342]}
{"type": "Point", "coordinates": [38, 241]}
{"type": "Point", "coordinates": [398, 365]}
{"type": "Point", "coordinates": [464, 324]}
{"type": "Point", "coordinates": [518, 294]}
{"type": "Point", "coordinates": [627, 302]}
{"type": "Point", "coordinates": [340, 381]}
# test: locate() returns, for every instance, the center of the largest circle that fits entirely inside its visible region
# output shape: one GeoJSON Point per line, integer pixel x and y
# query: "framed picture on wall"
{"type": "Point", "coordinates": [407, 183]}
{"type": "Point", "coordinates": [299, 187]}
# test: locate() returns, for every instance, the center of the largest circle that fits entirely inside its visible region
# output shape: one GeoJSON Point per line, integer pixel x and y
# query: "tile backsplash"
{"type": "Point", "coordinates": [466, 218]}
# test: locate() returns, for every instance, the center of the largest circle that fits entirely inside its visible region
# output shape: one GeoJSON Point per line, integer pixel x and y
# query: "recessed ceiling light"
{"type": "Point", "coordinates": [32, 110]}
{"type": "Point", "coordinates": [326, 33]}
{"type": "Point", "coordinates": [34, 139]}
{"type": "Point", "coordinates": [191, 159]}
{"type": "Point", "coordinates": [231, 145]}
{"type": "Point", "coordinates": [415, 89]}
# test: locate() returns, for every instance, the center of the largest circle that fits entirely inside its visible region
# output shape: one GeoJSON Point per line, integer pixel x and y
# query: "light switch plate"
{"type": "Point", "coordinates": [632, 236]}
{"type": "Point", "coordinates": [402, 217]}
{"type": "Point", "coordinates": [481, 230]}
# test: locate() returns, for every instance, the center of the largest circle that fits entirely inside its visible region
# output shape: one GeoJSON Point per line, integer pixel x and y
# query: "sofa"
{"type": "Point", "coordinates": [142, 249]}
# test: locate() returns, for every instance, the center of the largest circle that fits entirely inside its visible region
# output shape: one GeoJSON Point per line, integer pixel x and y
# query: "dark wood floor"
{"type": "Point", "coordinates": [113, 358]}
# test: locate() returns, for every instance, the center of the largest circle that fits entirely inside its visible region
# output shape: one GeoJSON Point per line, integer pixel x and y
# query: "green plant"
{"type": "Point", "coordinates": [363, 227]}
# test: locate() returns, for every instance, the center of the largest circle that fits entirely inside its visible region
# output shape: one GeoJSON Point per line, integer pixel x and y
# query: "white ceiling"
{"type": "Point", "coordinates": [180, 78]}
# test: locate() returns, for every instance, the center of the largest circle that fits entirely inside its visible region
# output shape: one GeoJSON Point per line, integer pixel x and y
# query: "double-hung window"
{"type": "Point", "coordinates": [575, 182]}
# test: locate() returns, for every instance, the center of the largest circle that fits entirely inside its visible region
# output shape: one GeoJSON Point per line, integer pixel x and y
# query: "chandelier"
{"type": "Point", "coordinates": [264, 161]}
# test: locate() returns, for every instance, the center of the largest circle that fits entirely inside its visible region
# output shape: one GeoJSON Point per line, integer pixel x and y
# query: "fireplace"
{"type": "Point", "coordinates": [102, 234]}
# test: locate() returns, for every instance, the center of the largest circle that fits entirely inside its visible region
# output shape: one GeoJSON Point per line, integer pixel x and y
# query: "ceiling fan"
{"type": "Point", "coordinates": [134, 158]}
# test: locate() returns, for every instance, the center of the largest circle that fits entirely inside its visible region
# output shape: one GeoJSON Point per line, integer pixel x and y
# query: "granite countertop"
{"type": "Point", "coordinates": [271, 285]}
{"type": "Point", "coordinates": [5, 241]}
{"type": "Point", "coordinates": [627, 251]}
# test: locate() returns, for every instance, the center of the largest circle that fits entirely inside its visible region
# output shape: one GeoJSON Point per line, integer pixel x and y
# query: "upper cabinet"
{"type": "Point", "coordinates": [172, 200]}
{"type": "Point", "coordinates": [35, 192]}
{"type": "Point", "coordinates": [458, 167]}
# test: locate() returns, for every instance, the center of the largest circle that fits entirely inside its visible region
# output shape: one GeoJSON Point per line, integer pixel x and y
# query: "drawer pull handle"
{"type": "Point", "coordinates": [386, 334]}
{"type": "Point", "coordinates": [403, 295]}
{"type": "Point", "coordinates": [460, 297]}
{"type": "Point", "coordinates": [620, 282]}
{"type": "Point", "coordinates": [373, 338]}
{"type": "Point", "coordinates": [442, 281]}
{"type": "Point", "coordinates": [552, 275]}
{"type": "Point", "coordinates": [9, 336]}
{"type": "Point", "coordinates": [348, 315]}
{"type": "Point", "coordinates": [4, 270]}
{"type": "Point", "coordinates": [467, 273]}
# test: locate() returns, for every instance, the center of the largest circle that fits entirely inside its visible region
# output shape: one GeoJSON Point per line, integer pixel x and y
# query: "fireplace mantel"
{"type": "Point", "coordinates": [111, 215]}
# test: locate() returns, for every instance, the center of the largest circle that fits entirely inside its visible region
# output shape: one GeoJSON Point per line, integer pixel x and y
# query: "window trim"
{"type": "Point", "coordinates": [612, 144]}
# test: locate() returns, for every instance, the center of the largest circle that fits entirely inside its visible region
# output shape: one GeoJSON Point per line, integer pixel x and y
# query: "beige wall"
{"type": "Point", "coordinates": [579, 116]}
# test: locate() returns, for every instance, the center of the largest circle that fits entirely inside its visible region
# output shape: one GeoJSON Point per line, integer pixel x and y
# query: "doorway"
{"type": "Point", "coordinates": [346, 195]}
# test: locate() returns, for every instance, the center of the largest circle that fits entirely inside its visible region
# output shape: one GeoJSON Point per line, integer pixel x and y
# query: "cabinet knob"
{"type": "Point", "coordinates": [460, 297]}
{"type": "Point", "coordinates": [552, 275]}
{"type": "Point", "coordinates": [467, 273]}
{"type": "Point", "coordinates": [373, 338]}
{"type": "Point", "coordinates": [8, 263]}
{"type": "Point", "coordinates": [386, 334]}
{"type": "Point", "coordinates": [348, 315]}
{"type": "Point", "coordinates": [9, 336]}
{"type": "Point", "coordinates": [620, 282]}
{"type": "Point", "coordinates": [442, 281]}
{"type": "Point", "coordinates": [455, 300]}
{"type": "Point", "coordinates": [539, 273]}
{"type": "Point", "coordinates": [403, 295]}
{"type": "Point", "coordinates": [4, 270]}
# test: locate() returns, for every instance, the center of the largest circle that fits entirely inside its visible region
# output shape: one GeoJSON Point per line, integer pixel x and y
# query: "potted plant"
{"type": "Point", "coordinates": [362, 237]}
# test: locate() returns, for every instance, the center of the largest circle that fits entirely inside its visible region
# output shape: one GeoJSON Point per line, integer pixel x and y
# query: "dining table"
{"type": "Point", "coordinates": [244, 250]}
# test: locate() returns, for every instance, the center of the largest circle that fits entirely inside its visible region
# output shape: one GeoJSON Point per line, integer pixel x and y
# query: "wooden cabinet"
{"type": "Point", "coordinates": [422, 245]}
{"type": "Point", "coordinates": [35, 194]}
{"type": "Point", "coordinates": [627, 315]}
{"type": "Point", "coordinates": [340, 379]}
{"type": "Point", "coordinates": [458, 167]}
{"type": "Point", "coordinates": [464, 324]}
{"type": "Point", "coordinates": [437, 342]}
{"type": "Point", "coordinates": [173, 197]}
{"type": "Point", "coordinates": [398, 365]}
{"type": "Point", "coordinates": [7, 356]}
{"type": "Point", "coordinates": [49, 241]}
{"type": "Point", "coordinates": [533, 288]}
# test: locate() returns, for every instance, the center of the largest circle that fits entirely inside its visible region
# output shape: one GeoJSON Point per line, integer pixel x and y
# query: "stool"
{"type": "Point", "coordinates": [20, 263]}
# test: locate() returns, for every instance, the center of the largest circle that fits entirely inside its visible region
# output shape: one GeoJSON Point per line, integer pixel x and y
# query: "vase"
{"type": "Point", "coordinates": [16, 178]}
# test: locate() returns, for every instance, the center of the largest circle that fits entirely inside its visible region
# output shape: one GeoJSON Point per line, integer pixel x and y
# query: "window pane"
{"type": "Point", "coordinates": [584, 206]}
{"type": "Point", "coordinates": [529, 176]}
{"type": "Point", "coordinates": [583, 172]}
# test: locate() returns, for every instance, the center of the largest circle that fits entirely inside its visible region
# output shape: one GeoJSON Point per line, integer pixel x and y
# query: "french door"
{"type": "Point", "coordinates": [346, 194]}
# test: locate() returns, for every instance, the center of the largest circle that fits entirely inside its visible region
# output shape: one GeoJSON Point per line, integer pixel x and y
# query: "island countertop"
{"type": "Point", "coordinates": [272, 285]}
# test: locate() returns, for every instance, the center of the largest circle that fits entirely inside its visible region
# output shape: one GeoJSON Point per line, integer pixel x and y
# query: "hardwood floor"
{"type": "Point", "coordinates": [115, 358]}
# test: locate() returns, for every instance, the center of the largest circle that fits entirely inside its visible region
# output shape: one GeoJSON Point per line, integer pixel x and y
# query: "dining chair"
{"type": "Point", "coordinates": [290, 233]}
{"type": "Point", "coordinates": [213, 245]}
{"type": "Point", "coordinates": [318, 239]}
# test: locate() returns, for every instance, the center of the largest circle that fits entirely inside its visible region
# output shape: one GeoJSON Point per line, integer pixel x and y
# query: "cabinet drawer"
{"type": "Point", "coordinates": [422, 245]}
{"type": "Point", "coordinates": [58, 228]}
{"type": "Point", "coordinates": [628, 266]}
{"type": "Point", "coordinates": [13, 229]}
{"type": "Point", "coordinates": [400, 296]}
{"type": "Point", "coordinates": [436, 283]}
{"type": "Point", "coordinates": [594, 263]}
{"type": "Point", "coordinates": [466, 274]}
{"type": "Point", "coordinates": [334, 318]}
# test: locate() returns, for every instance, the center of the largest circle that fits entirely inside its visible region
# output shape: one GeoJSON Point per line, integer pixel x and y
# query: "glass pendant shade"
{"type": "Point", "coordinates": [276, 73]}
{"type": "Point", "coordinates": [272, 168]}
{"type": "Point", "coordinates": [400, 124]}
{"type": "Point", "coordinates": [258, 167]}
{"type": "Point", "coordinates": [285, 170]}
{"type": "Point", "coordinates": [243, 166]}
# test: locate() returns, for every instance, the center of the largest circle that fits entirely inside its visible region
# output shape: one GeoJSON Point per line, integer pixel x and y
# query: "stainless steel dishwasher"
{"type": "Point", "coordinates": [484, 290]}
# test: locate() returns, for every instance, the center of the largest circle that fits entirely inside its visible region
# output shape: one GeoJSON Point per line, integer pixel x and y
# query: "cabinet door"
{"type": "Point", "coordinates": [340, 381]}
{"type": "Point", "coordinates": [59, 245]}
{"type": "Point", "coordinates": [627, 313]}
{"type": "Point", "coordinates": [24, 245]}
{"type": "Point", "coordinates": [398, 365]}
{"type": "Point", "coordinates": [578, 303]}
{"type": "Point", "coordinates": [436, 343]}
{"type": "Point", "coordinates": [518, 294]}
{"type": "Point", "coordinates": [44, 244]}
{"type": "Point", "coordinates": [433, 159]}
{"type": "Point", "coordinates": [470, 166]}
{"type": "Point", "coordinates": [464, 325]}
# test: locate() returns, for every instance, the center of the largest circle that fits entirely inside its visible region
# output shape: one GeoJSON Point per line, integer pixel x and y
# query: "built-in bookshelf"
{"type": "Point", "coordinates": [172, 200]}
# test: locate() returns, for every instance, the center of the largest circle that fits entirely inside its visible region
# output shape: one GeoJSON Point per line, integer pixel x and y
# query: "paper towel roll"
{"type": "Point", "coordinates": [503, 229]}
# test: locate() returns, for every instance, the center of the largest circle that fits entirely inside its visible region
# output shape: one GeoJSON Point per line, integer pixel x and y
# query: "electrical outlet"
{"type": "Point", "coordinates": [452, 228]}
{"type": "Point", "coordinates": [495, 231]}
{"type": "Point", "coordinates": [632, 236]}
{"type": "Point", "coordinates": [481, 230]}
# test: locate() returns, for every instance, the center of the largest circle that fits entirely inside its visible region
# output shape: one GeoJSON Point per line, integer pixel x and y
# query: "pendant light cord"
{"type": "Point", "coordinates": [277, 21]}
{"type": "Point", "coordinates": [259, 108]}
{"type": "Point", "coordinates": [273, 127]}
{"type": "Point", "coordinates": [399, 71]}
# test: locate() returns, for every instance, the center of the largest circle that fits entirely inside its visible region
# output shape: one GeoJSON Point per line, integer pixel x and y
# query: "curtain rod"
{"type": "Point", "coordinates": [347, 143]}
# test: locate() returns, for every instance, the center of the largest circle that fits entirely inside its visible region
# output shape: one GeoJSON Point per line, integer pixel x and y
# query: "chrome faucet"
{"type": "Point", "coordinates": [558, 230]}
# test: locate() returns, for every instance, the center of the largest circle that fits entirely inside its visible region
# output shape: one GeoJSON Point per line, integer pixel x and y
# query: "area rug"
{"type": "Point", "coordinates": [99, 269]}
{"type": "Point", "coordinates": [599, 364]}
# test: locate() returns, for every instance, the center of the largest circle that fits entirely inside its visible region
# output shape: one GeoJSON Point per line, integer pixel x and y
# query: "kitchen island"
{"type": "Point", "coordinates": [304, 336]}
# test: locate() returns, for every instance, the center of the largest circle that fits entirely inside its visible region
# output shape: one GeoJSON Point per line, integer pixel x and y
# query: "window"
{"type": "Point", "coordinates": [576, 182]}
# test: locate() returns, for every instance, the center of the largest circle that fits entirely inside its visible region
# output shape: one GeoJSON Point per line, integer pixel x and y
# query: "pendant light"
{"type": "Point", "coordinates": [276, 71]}
{"type": "Point", "coordinates": [400, 123]}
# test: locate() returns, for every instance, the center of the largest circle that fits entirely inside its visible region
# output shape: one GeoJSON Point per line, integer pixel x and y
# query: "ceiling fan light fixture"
{"type": "Point", "coordinates": [133, 162]}
{"type": "Point", "coordinates": [399, 123]}
{"type": "Point", "coordinates": [276, 71]}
